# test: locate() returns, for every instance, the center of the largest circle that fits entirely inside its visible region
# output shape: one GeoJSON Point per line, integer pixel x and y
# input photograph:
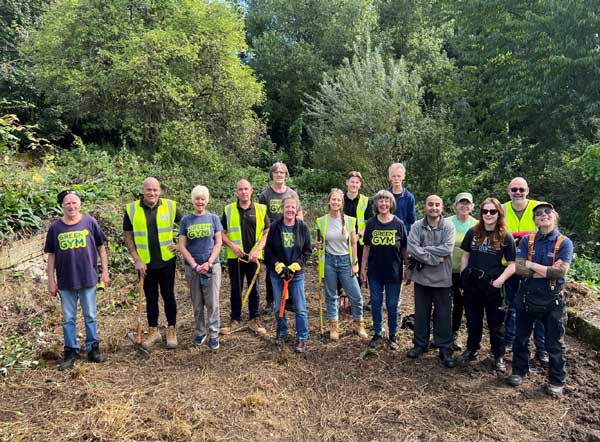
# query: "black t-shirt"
{"type": "Point", "coordinates": [247, 224]}
{"type": "Point", "coordinates": [350, 207]}
{"type": "Point", "coordinates": [486, 258]}
{"type": "Point", "coordinates": [156, 261]}
{"type": "Point", "coordinates": [386, 242]}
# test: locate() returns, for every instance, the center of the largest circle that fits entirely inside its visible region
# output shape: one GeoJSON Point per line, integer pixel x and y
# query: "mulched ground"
{"type": "Point", "coordinates": [247, 391]}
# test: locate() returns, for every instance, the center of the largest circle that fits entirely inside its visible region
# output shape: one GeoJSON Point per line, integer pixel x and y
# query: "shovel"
{"type": "Point", "coordinates": [284, 297]}
{"type": "Point", "coordinates": [136, 338]}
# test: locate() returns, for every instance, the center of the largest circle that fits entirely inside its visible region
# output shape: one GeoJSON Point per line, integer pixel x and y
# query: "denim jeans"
{"type": "Point", "coordinates": [512, 286]}
{"type": "Point", "coordinates": [392, 298]}
{"type": "Point", "coordinates": [296, 292]}
{"type": "Point", "coordinates": [339, 267]}
{"type": "Point", "coordinates": [68, 302]}
{"type": "Point", "coordinates": [554, 325]}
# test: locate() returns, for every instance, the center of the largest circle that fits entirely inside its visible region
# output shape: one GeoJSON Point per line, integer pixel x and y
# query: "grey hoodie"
{"type": "Point", "coordinates": [427, 245]}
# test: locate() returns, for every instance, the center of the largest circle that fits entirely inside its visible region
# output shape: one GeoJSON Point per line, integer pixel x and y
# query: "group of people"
{"type": "Point", "coordinates": [508, 265]}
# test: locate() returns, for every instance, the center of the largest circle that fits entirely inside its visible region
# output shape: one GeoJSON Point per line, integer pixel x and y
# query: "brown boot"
{"type": "Point", "coordinates": [359, 328]}
{"type": "Point", "coordinates": [171, 337]}
{"type": "Point", "coordinates": [154, 337]}
{"type": "Point", "coordinates": [233, 326]}
{"type": "Point", "coordinates": [334, 332]}
{"type": "Point", "coordinates": [257, 328]}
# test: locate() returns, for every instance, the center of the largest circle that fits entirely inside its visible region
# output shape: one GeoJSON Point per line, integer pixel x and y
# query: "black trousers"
{"type": "Point", "coordinates": [554, 322]}
{"type": "Point", "coordinates": [163, 278]}
{"type": "Point", "coordinates": [489, 302]}
{"type": "Point", "coordinates": [457, 303]}
{"type": "Point", "coordinates": [246, 271]}
{"type": "Point", "coordinates": [440, 299]}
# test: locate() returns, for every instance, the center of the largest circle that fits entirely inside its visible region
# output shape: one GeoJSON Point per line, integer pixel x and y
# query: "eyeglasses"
{"type": "Point", "coordinates": [540, 212]}
{"type": "Point", "coordinates": [518, 189]}
{"type": "Point", "coordinates": [490, 211]}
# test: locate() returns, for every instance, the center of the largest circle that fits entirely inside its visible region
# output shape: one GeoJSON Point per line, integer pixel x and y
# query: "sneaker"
{"type": "Point", "coordinates": [543, 358]}
{"type": "Point", "coordinates": [415, 352]}
{"type": "Point", "coordinates": [554, 391]}
{"type": "Point", "coordinates": [199, 340]}
{"type": "Point", "coordinates": [69, 359]}
{"type": "Point", "coordinates": [154, 337]}
{"type": "Point", "coordinates": [213, 343]}
{"type": "Point", "coordinates": [500, 365]}
{"type": "Point", "coordinates": [171, 337]}
{"type": "Point", "coordinates": [376, 341]}
{"type": "Point", "coordinates": [257, 327]}
{"type": "Point", "coordinates": [233, 326]}
{"type": "Point", "coordinates": [301, 346]}
{"type": "Point", "coordinates": [393, 344]}
{"type": "Point", "coordinates": [514, 380]}
{"type": "Point", "coordinates": [95, 354]}
{"type": "Point", "coordinates": [268, 310]}
{"type": "Point", "coordinates": [468, 356]}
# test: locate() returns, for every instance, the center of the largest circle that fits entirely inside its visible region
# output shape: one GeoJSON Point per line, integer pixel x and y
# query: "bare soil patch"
{"type": "Point", "coordinates": [247, 391]}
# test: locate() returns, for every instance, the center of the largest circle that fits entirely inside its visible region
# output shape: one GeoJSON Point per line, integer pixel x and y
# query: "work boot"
{"type": "Point", "coordinates": [415, 352]}
{"type": "Point", "coordinates": [359, 328]}
{"type": "Point", "coordinates": [500, 365]}
{"type": "Point", "coordinates": [154, 337]}
{"type": "Point", "coordinates": [468, 356]}
{"type": "Point", "coordinates": [69, 359]}
{"type": "Point", "coordinates": [334, 332]}
{"type": "Point", "coordinates": [447, 360]}
{"type": "Point", "coordinates": [257, 328]}
{"type": "Point", "coordinates": [233, 326]}
{"type": "Point", "coordinates": [171, 337]}
{"type": "Point", "coordinates": [543, 358]}
{"type": "Point", "coordinates": [554, 391]}
{"type": "Point", "coordinates": [514, 380]}
{"type": "Point", "coordinates": [95, 355]}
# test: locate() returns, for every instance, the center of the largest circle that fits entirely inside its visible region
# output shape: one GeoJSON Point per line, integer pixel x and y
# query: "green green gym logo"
{"type": "Point", "coordinates": [201, 230]}
{"type": "Point", "coordinates": [288, 239]}
{"type": "Point", "coordinates": [75, 239]}
{"type": "Point", "coordinates": [383, 237]}
{"type": "Point", "coordinates": [275, 206]}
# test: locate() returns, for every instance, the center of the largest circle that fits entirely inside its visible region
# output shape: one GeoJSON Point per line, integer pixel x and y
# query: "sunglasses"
{"type": "Point", "coordinates": [540, 212]}
{"type": "Point", "coordinates": [518, 189]}
{"type": "Point", "coordinates": [490, 211]}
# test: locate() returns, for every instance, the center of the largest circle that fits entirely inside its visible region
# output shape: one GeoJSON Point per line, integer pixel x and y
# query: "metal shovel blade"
{"type": "Point", "coordinates": [139, 347]}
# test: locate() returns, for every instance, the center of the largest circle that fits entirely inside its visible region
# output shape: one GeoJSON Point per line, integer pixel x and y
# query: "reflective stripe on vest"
{"type": "Point", "coordinates": [165, 217]}
{"type": "Point", "coordinates": [234, 229]}
{"type": "Point", "coordinates": [322, 224]}
{"type": "Point", "coordinates": [361, 208]}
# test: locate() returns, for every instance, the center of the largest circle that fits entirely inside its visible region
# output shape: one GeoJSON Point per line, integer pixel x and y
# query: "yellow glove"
{"type": "Point", "coordinates": [279, 266]}
{"type": "Point", "coordinates": [294, 267]}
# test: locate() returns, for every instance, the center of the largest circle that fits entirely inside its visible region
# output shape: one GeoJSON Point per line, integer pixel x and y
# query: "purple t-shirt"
{"type": "Point", "coordinates": [75, 252]}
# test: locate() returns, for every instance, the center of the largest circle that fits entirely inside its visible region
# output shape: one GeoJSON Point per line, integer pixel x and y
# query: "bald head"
{"type": "Point", "coordinates": [243, 190]}
{"type": "Point", "coordinates": [151, 191]}
{"type": "Point", "coordinates": [518, 190]}
{"type": "Point", "coordinates": [434, 206]}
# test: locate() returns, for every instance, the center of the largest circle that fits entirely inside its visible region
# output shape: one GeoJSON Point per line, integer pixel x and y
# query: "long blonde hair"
{"type": "Point", "coordinates": [341, 192]}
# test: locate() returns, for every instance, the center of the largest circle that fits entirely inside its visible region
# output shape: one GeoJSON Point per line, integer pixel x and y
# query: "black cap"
{"type": "Point", "coordinates": [61, 196]}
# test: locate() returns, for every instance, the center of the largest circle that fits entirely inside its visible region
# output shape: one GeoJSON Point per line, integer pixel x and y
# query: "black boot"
{"type": "Point", "coordinates": [69, 359]}
{"type": "Point", "coordinates": [95, 355]}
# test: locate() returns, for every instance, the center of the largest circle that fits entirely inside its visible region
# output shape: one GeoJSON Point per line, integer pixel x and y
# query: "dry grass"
{"type": "Point", "coordinates": [247, 391]}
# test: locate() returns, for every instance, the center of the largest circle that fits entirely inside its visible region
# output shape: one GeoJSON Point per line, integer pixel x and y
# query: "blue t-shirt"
{"type": "Point", "coordinates": [543, 252]}
{"type": "Point", "coordinates": [200, 233]}
{"type": "Point", "coordinates": [287, 239]}
{"type": "Point", "coordinates": [75, 252]}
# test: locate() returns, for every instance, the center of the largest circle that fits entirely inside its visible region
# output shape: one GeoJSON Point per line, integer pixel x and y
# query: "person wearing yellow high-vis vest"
{"type": "Point", "coordinates": [148, 229]}
{"type": "Point", "coordinates": [519, 221]}
{"type": "Point", "coordinates": [246, 227]}
{"type": "Point", "coordinates": [357, 205]}
{"type": "Point", "coordinates": [337, 261]}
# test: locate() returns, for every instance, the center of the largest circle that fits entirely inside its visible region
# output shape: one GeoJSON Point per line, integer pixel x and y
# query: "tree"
{"type": "Point", "coordinates": [293, 43]}
{"type": "Point", "coordinates": [135, 69]}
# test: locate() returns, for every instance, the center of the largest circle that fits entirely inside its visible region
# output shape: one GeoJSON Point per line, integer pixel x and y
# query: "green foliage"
{"type": "Point", "coordinates": [14, 135]}
{"type": "Point", "coordinates": [16, 354]}
{"type": "Point", "coordinates": [587, 271]}
{"type": "Point", "coordinates": [318, 181]}
{"type": "Point", "coordinates": [140, 70]}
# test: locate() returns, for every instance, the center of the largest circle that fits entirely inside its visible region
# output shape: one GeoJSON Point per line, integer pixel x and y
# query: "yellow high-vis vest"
{"type": "Point", "coordinates": [322, 224]}
{"type": "Point", "coordinates": [165, 218]}
{"type": "Point", "coordinates": [234, 229]}
{"type": "Point", "coordinates": [525, 224]}
{"type": "Point", "coordinates": [361, 208]}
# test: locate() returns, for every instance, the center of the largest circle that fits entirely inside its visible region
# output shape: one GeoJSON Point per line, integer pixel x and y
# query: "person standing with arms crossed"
{"type": "Point", "coordinates": [148, 229]}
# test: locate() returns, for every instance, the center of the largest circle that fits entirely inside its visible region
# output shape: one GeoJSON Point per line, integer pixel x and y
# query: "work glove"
{"type": "Point", "coordinates": [294, 267]}
{"type": "Point", "coordinates": [279, 266]}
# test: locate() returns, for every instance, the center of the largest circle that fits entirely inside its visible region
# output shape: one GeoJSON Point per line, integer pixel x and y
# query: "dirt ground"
{"type": "Point", "coordinates": [247, 391]}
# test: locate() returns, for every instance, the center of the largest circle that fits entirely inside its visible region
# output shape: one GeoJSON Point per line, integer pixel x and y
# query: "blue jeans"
{"type": "Point", "coordinates": [510, 325]}
{"type": "Point", "coordinates": [392, 298]}
{"type": "Point", "coordinates": [68, 302]}
{"type": "Point", "coordinates": [339, 266]}
{"type": "Point", "coordinates": [296, 293]}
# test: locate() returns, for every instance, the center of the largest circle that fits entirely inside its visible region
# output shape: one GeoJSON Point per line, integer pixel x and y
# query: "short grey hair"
{"type": "Point", "coordinates": [278, 165]}
{"type": "Point", "coordinates": [387, 195]}
{"type": "Point", "coordinates": [200, 191]}
{"type": "Point", "coordinates": [395, 166]}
